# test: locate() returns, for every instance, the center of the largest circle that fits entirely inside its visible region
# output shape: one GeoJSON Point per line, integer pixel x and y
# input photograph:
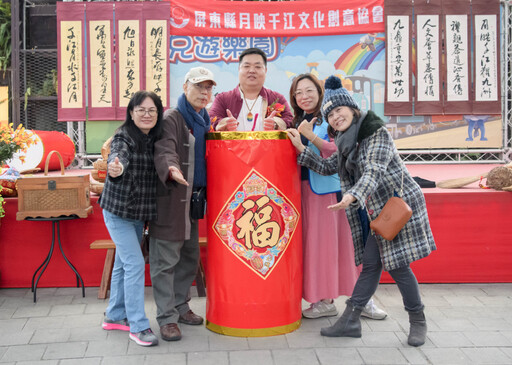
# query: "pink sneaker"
{"type": "Point", "coordinates": [121, 325]}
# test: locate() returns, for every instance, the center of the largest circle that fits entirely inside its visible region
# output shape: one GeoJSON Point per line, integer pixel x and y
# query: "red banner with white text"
{"type": "Point", "coordinates": [214, 18]}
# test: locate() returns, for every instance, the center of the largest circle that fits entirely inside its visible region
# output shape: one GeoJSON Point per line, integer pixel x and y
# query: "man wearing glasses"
{"type": "Point", "coordinates": [250, 106]}
{"type": "Point", "coordinates": [181, 201]}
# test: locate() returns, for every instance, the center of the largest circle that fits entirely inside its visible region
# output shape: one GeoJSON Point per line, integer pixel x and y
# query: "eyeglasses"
{"type": "Point", "coordinates": [208, 88]}
{"type": "Point", "coordinates": [142, 112]}
{"type": "Point", "coordinates": [309, 92]}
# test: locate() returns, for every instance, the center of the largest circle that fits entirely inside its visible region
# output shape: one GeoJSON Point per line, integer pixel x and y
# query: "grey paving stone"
{"type": "Point", "coordinates": [16, 338]}
{"type": "Point", "coordinates": [70, 350]}
{"type": "Point", "coordinates": [314, 325]}
{"type": "Point", "coordinates": [33, 310]}
{"type": "Point", "coordinates": [95, 308]}
{"type": "Point", "coordinates": [6, 313]}
{"type": "Point", "coordinates": [54, 300]}
{"type": "Point", "coordinates": [15, 302]}
{"type": "Point", "coordinates": [44, 322]}
{"type": "Point", "coordinates": [295, 356]}
{"type": "Point", "coordinates": [161, 348]}
{"type": "Point", "coordinates": [457, 324]}
{"type": "Point", "coordinates": [13, 293]}
{"type": "Point", "coordinates": [208, 358]}
{"type": "Point", "coordinates": [67, 309]}
{"type": "Point", "coordinates": [463, 301]}
{"type": "Point", "coordinates": [88, 361]}
{"type": "Point", "coordinates": [227, 343]}
{"type": "Point", "coordinates": [496, 301]}
{"type": "Point", "coordinates": [82, 320]}
{"type": "Point", "coordinates": [304, 340]}
{"type": "Point", "coordinates": [3, 350]}
{"type": "Point", "coordinates": [449, 339]}
{"type": "Point", "coordinates": [384, 325]}
{"type": "Point", "coordinates": [250, 357]}
{"type": "Point", "coordinates": [488, 338]}
{"type": "Point", "coordinates": [87, 334]}
{"type": "Point", "coordinates": [497, 289]}
{"type": "Point", "coordinates": [328, 356]}
{"type": "Point", "coordinates": [414, 355]}
{"type": "Point", "coordinates": [51, 335]}
{"type": "Point", "coordinates": [41, 292]}
{"type": "Point", "coordinates": [381, 339]}
{"type": "Point", "coordinates": [160, 359]}
{"type": "Point", "coordinates": [491, 324]}
{"type": "Point", "coordinates": [486, 355]}
{"type": "Point", "coordinates": [382, 356]}
{"type": "Point", "coordinates": [190, 344]}
{"type": "Point", "coordinates": [445, 356]}
{"type": "Point", "coordinates": [70, 290]}
{"type": "Point", "coordinates": [25, 352]}
{"type": "Point", "coordinates": [123, 360]}
{"type": "Point", "coordinates": [12, 325]}
{"type": "Point", "coordinates": [101, 348]}
{"type": "Point", "coordinates": [270, 343]}
{"type": "Point", "coordinates": [37, 362]}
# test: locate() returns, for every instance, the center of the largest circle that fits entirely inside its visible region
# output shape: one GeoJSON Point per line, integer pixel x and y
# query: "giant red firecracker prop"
{"type": "Point", "coordinates": [254, 268]}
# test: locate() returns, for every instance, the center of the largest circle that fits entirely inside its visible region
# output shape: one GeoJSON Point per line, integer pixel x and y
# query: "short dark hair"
{"type": "Point", "coordinates": [249, 51]}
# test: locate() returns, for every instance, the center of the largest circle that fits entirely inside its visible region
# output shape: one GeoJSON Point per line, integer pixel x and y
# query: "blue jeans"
{"type": "Point", "coordinates": [127, 285]}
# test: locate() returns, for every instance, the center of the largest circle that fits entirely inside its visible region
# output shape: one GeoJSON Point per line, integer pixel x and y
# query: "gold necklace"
{"type": "Point", "coordinates": [249, 115]}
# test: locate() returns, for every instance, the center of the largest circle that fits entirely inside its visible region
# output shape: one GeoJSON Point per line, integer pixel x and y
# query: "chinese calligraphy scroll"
{"type": "Point", "coordinates": [428, 59]}
{"type": "Point", "coordinates": [458, 93]}
{"type": "Point", "coordinates": [486, 57]}
{"type": "Point", "coordinates": [129, 54]}
{"type": "Point", "coordinates": [398, 58]}
{"type": "Point", "coordinates": [100, 34]}
{"type": "Point", "coordinates": [156, 41]}
{"type": "Point", "coordinates": [70, 44]}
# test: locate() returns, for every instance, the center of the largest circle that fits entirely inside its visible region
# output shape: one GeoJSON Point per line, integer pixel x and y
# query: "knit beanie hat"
{"type": "Point", "coordinates": [336, 95]}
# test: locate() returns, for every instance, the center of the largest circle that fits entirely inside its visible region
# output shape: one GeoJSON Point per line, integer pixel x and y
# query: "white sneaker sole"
{"type": "Point", "coordinates": [319, 315]}
{"type": "Point", "coordinates": [376, 317]}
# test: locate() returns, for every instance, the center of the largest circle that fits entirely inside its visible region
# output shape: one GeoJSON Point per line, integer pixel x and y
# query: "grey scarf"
{"type": "Point", "coordinates": [347, 148]}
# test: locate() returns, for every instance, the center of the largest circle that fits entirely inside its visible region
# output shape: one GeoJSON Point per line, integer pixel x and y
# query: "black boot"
{"type": "Point", "coordinates": [348, 325]}
{"type": "Point", "coordinates": [418, 330]}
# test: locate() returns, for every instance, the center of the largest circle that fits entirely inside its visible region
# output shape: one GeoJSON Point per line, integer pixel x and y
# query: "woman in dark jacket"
{"type": "Point", "coordinates": [371, 172]}
{"type": "Point", "coordinates": [128, 200]}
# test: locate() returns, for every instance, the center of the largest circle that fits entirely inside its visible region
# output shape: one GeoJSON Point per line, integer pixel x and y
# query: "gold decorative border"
{"type": "Point", "coordinates": [222, 136]}
{"type": "Point", "coordinates": [253, 332]}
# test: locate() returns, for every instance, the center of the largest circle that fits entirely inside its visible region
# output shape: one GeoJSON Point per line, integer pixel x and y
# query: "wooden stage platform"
{"type": "Point", "coordinates": [472, 228]}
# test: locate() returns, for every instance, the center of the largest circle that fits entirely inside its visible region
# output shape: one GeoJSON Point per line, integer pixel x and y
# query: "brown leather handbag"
{"type": "Point", "coordinates": [393, 217]}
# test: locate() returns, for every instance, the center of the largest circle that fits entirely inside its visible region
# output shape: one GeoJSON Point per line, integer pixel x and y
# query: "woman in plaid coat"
{"type": "Point", "coordinates": [371, 172]}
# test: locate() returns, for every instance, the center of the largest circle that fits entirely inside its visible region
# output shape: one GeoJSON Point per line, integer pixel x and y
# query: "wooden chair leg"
{"type": "Point", "coordinates": [107, 273]}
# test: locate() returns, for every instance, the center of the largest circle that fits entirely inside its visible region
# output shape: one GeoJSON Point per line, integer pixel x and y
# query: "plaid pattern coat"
{"type": "Point", "coordinates": [379, 170]}
{"type": "Point", "coordinates": [133, 194]}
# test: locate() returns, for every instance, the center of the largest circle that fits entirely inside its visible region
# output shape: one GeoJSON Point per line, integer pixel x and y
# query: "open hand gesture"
{"type": "Point", "coordinates": [175, 174]}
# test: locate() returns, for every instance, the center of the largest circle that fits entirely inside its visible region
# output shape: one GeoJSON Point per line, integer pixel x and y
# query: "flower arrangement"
{"type": "Point", "coordinates": [14, 140]}
{"type": "Point", "coordinates": [275, 106]}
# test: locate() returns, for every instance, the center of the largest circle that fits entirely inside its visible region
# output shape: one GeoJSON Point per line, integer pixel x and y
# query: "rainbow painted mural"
{"type": "Point", "coordinates": [357, 58]}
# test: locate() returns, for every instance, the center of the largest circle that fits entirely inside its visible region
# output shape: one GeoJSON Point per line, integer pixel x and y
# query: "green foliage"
{"type": "Point", "coordinates": [5, 35]}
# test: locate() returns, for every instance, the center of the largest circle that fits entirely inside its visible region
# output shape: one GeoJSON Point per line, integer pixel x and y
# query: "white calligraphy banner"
{"type": "Point", "coordinates": [129, 60]}
{"type": "Point", "coordinates": [101, 61]}
{"type": "Point", "coordinates": [428, 61]}
{"type": "Point", "coordinates": [486, 58]}
{"type": "Point", "coordinates": [71, 76]}
{"type": "Point", "coordinates": [457, 68]}
{"type": "Point", "coordinates": [397, 64]}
